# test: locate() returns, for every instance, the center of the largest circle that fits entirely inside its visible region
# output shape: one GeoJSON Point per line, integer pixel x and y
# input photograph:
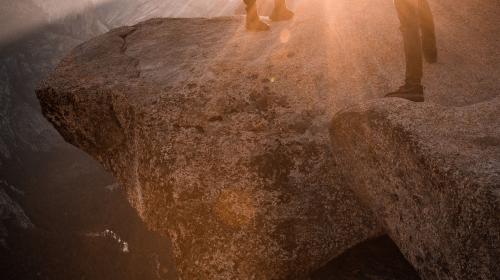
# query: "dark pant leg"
{"type": "Point", "coordinates": [408, 13]}
{"type": "Point", "coordinates": [426, 23]}
{"type": "Point", "coordinates": [249, 3]}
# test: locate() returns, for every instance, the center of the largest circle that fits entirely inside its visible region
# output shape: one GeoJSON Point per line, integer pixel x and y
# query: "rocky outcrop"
{"type": "Point", "coordinates": [216, 150]}
{"type": "Point", "coordinates": [220, 136]}
{"type": "Point", "coordinates": [432, 176]}
{"type": "Point", "coordinates": [36, 34]}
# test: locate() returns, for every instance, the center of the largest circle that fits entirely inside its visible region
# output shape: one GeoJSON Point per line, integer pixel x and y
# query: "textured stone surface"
{"type": "Point", "coordinates": [229, 160]}
{"type": "Point", "coordinates": [432, 176]}
{"type": "Point", "coordinates": [198, 116]}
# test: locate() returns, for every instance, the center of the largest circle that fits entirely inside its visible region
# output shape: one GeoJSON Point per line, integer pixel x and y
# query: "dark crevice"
{"type": "Point", "coordinates": [123, 50]}
{"type": "Point", "coordinates": [124, 38]}
{"type": "Point", "coordinates": [375, 259]}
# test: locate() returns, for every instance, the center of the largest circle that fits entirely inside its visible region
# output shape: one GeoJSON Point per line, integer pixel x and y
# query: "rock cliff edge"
{"type": "Point", "coordinates": [220, 137]}
{"type": "Point", "coordinates": [228, 159]}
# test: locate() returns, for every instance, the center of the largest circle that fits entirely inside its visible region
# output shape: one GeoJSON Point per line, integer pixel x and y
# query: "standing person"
{"type": "Point", "coordinates": [253, 22]}
{"type": "Point", "coordinates": [417, 28]}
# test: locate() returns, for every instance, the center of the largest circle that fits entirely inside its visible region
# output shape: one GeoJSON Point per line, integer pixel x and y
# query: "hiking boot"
{"type": "Point", "coordinates": [429, 48]}
{"type": "Point", "coordinates": [253, 22]}
{"type": "Point", "coordinates": [413, 93]}
{"type": "Point", "coordinates": [281, 12]}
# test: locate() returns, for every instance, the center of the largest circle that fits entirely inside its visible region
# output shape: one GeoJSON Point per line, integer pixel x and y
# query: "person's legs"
{"type": "Point", "coordinates": [253, 22]}
{"type": "Point", "coordinates": [408, 13]}
{"type": "Point", "coordinates": [410, 29]}
{"type": "Point", "coordinates": [281, 12]}
{"type": "Point", "coordinates": [428, 32]}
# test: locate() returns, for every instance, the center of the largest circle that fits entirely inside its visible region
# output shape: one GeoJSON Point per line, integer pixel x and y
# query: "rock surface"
{"type": "Point", "coordinates": [432, 176]}
{"type": "Point", "coordinates": [220, 136]}
{"type": "Point", "coordinates": [230, 161]}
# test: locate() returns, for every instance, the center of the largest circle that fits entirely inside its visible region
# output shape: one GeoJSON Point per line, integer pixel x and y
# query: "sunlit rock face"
{"type": "Point", "coordinates": [432, 176]}
{"type": "Point", "coordinates": [220, 137]}
{"type": "Point", "coordinates": [431, 172]}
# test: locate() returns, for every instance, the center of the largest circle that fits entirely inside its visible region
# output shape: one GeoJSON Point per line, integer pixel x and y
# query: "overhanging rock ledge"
{"type": "Point", "coordinates": [231, 163]}
{"type": "Point", "coordinates": [431, 174]}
